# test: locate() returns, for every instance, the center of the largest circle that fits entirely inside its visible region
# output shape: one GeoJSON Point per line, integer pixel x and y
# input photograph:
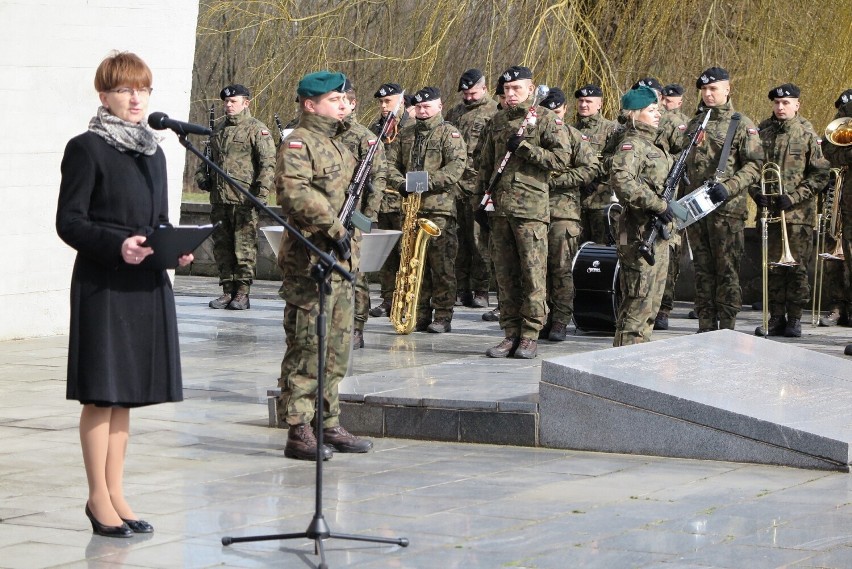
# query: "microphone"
{"type": "Point", "coordinates": [161, 121]}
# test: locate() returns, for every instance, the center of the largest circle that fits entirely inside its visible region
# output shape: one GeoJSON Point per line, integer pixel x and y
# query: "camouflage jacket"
{"type": "Point", "coordinates": [390, 198]}
{"type": "Point", "coordinates": [358, 140]}
{"type": "Point", "coordinates": [795, 147]}
{"type": "Point", "coordinates": [565, 188]}
{"type": "Point", "coordinates": [744, 161]}
{"type": "Point", "coordinates": [638, 176]}
{"type": "Point", "coordinates": [597, 131]}
{"type": "Point", "coordinates": [672, 131]}
{"type": "Point", "coordinates": [436, 147]}
{"type": "Point", "coordinates": [471, 119]}
{"type": "Point", "coordinates": [311, 177]}
{"type": "Point", "coordinates": [523, 189]}
{"type": "Point", "coordinates": [841, 157]}
{"type": "Point", "coordinates": [244, 149]}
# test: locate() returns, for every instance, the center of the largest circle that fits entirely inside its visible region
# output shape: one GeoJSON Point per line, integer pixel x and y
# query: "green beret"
{"type": "Point", "coordinates": [638, 98]}
{"type": "Point", "coordinates": [320, 83]}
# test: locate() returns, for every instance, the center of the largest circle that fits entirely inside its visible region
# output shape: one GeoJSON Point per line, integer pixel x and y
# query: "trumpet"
{"type": "Point", "coordinates": [772, 186]}
{"type": "Point", "coordinates": [839, 131]}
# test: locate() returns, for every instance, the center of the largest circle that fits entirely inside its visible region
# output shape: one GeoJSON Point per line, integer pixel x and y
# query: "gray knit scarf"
{"type": "Point", "coordinates": [122, 135]}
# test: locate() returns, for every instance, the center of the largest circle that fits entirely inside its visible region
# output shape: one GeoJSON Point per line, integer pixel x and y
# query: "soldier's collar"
{"type": "Point", "coordinates": [320, 124]}
{"type": "Point", "coordinates": [430, 123]}
{"type": "Point", "coordinates": [239, 117]}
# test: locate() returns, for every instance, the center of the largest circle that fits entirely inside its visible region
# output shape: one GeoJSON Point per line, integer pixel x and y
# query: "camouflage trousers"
{"type": "Point", "coordinates": [387, 274]}
{"type": "Point", "coordinates": [471, 271]}
{"type": "Point", "coordinates": [438, 289]}
{"type": "Point", "coordinates": [235, 245]}
{"type": "Point", "coordinates": [362, 300]}
{"type": "Point", "coordinates": [717, 250]}
{"type": "Point", "coordinates": [596, 226]}
{"type": "Point", "coordinates": [788, 287]}
{"type": "Point", "coordinates": [298, 381]}
{"type": "Point", "coordinates": [671, 278]}
{"type": "Point", "coordinates": [642, 287]}
{"type": "Point", "coordinates": [519, 252]}
{"type": "Point", "coordinates": [563, 240]}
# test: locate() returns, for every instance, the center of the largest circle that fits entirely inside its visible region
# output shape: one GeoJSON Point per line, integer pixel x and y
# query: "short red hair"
{"type": "Point", "coordinates": [122, 69]}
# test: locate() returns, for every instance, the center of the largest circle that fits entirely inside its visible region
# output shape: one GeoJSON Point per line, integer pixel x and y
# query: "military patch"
{"type": "Point", "coordinates": [752, 131]}
{"type": "Point", "coordinates": [264, 133]}
{"type": "Point", "coordinates": [819, 141]}
{"type": "Point", "coordinates": [455, 135]}
{"type": "Point", "coordinates": [371, 142]}
{"type": "Point", "coordinates": [585, 137]}
{"type": "Point", "coordinates": [681, 127]}
{"type": "Point", "coordinates": [627, 146]}
{"type": "Point", "coordinates": [559, 122]}
{"type": "Point", "coordinates": [294, 144]}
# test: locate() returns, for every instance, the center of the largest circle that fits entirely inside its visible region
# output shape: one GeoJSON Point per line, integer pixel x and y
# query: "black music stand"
{"type": "Point", "coordinates": [318, 529]}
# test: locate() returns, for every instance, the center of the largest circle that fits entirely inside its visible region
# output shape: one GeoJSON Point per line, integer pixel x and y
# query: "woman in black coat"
{"type": "Point", "coordinates": [123, 345]}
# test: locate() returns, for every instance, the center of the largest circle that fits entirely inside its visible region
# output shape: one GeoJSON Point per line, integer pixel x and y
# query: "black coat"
{"type": "Point", "coordinates": [123, 344]}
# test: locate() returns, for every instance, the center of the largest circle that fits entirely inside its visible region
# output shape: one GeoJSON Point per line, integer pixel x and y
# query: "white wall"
{"type": "Point", "coordinates": [50, 50]}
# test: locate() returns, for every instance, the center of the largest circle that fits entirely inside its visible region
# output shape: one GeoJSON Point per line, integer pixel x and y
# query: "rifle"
{"type": "Point", "coordinates": [487, 205]}
{"type": "Point", "coordinates": [280, 126]}
{"type": "Point", "coordinates": [208, 144]}
{"type": "Point", "coordinates": [670, 189]}
{"type": "Point", "coordinates": [349, 215]}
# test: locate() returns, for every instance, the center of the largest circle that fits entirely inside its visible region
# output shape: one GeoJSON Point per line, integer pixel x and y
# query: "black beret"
{"type": "Point", "coordinates": [386, 89]}
{"type": "Point", "coordinates": [516, 73]}
{"type": "Point", "coordinates": [673, 90]}
{"type": "Point", "coordinates": [588, 91]}
{"type": "Point", "coordinates": [427, 94]}
{"type": "Point", "coordinates": [234, 91]}
{"type": "Point", "coordinates": [348, 86]}
{"type": "Point", "coordinates": [648, 82]}
{"type": "Point", "coordinates": [499, 90]}
{"type": "Point", "coordinates": [469, 79]}
{"type": "Point", "coordinates": [408, 100]}
{"type": "Point", "coordinates": [784, 91]}
{"type": "Point", "coordinates": [555, 98]}
{"type": "Point", "coordinates": [712, 75]}
{"type": "Point", "coordinates": [844, 98]}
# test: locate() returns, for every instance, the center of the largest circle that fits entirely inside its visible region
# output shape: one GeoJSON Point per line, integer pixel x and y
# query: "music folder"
{"type": "Point", "coordinates": [169, 243]}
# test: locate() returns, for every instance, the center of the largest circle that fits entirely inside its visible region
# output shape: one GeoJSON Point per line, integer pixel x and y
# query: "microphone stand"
{"type": "Point", "coordinates": [318, 529]}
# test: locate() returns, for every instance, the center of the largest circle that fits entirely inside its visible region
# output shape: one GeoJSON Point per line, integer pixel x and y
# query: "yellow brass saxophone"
{"type": "Point", "coordinates": [412, 255]}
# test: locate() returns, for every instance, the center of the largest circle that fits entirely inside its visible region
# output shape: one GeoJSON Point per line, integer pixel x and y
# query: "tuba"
{"type": "Point", "coordinates": [416, 233]}
{"type": "Point", "coordinates": [839, 131]}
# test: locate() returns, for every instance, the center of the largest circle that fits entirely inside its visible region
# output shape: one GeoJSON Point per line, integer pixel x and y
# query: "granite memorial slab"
{"type": "Point", "coordinates": [722, 395]}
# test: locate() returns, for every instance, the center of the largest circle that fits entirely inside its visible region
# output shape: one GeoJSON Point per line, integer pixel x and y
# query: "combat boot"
{"type": "Point", "coordinates": [466, 298]}
{"type": "Point", "coordinates": [776, 327]}
{"type": "Point", "coordinates": [342, 440]}
{"type": "Point", "coordinates": [422, 324]}
{"type": "Point", "coordinates": [793, 328]}
{"type": "Point", "coordinates": [832, 319]}
{"type": "Point", "coordinates": [357, 339]}
{"type": "Point", "coordinates": [848, 350]}
{"type": "Point", "coordinates": [504, 349]}
{"type": "Point", "coordinates": [439, 326]}
{"type": "Point", "coordinates": [661, 322]}
{"type": "Point", "coordinates": [239, 302]}
{"type": "Point", "coordinates": [458, 301]}
{"type": "Point", "coordinates": [557, 332]}
{"type": "Point", "coordinates": [544, 333]}
{"type": "Point", "coordinates": [302, 444]}
{"type": "Point", "coordinates": [480, 299]}
{"type": "Point", "coordinates": [692, 315]}
{"type": "Point", "coordinates": [492, 315]}
{"type": "Point", "coordinates": [221, 302]}
{"type": "Point", "coordinates": [381, 310]}
{"type": "Point", "coordinates": [527, 349]}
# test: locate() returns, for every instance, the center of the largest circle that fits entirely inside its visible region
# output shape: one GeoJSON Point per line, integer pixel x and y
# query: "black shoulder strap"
{"type": "Point", "coordinates": [726, 148]}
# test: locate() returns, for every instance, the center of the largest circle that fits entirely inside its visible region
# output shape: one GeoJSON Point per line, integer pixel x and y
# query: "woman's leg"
{"type": "Point", "coordinates": [119, 434]}
{"type": "Point", "coordinates": [95, 426]}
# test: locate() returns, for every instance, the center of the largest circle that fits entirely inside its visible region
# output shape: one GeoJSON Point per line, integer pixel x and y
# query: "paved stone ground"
{"type": "Point", "coordinates": [210, 467]}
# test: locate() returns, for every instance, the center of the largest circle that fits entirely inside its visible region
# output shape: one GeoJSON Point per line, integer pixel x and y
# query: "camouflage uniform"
{"type": "Point", "coordinates": [438, 148]}
{"type": "Point", "coordinates": [311, 177]}
{"type": "Point", "coordinates": [596, 131]}
{"type": "Point", "coordinates": [564, 229]}
{"type": "Point", "coordinates": [638, 175]}
{"type": "Point", "coordinates": [388, 218]}
{"type": "Point", "coordinates": [244, 149]}
{"type": "Point", "coordinates": [717, 239]}
{"type": "Point", "coordinates": [795, 148]}
{"type": "Point", "coordinates": [522, 212]}
{"type": "Point", "coordinates": [358, 139]}
{"type": "Point", "coordinates": [841, 157]}
{"type": "Point", "coordinates": [472, 272]}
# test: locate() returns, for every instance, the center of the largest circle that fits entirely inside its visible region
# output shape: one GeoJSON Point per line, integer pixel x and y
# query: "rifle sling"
{"type": "Point", "coordinates": [726, 148]}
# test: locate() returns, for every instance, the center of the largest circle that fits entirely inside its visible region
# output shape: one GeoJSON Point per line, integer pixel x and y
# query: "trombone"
{"type": "Point", "coordinates": [772, 186]}
{"type": "Point", "coordinates": [828, 223]}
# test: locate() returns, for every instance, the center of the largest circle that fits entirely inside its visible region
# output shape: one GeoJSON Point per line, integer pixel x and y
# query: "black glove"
{"type": "Point", "coordinates": [480, 216]}
{"type": "Point", "coordinates": [374, 225]}
{"type": "Point", "coordinates": [514, 142]}
{"type": "Point", "coordinates": [785, 202]}
{"type": "Point", "coordinates": [588, 189]}
{"type": "Point", "coordinates": [718, 193]}
{"type": "Point", "coordinates": [401, 189]}
{"type": "Point", "coordinates": [667, 215]}
{"type": "Point", "coordinates": [343, 247]}
{"type": "Point", "coordinates": [761, 200]}
{"type": "Point", "coordinates": [204, 186]}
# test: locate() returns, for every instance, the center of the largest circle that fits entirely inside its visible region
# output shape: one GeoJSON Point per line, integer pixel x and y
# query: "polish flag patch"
{"type": "Point", "coordinates": [819, 141]}
{"type": "Point", "coordinates": [627, 146]}
{"type": "Point", "coordinates": [372, 142]}
{"type": "Point", "coordinates": [456, 135]}
{"type": "Point", "coordinates": [559, 122]}
{"type": "Point", "coordinates": [752, 131]}
{"type": "Point", "coordinates": [681, 127]}
{"type": "Point", "coordinates": [264, 133]}
{"type": "Point", "coordinates": [585, 137]}
{"type": "Point", "coordinates": [294, 144]}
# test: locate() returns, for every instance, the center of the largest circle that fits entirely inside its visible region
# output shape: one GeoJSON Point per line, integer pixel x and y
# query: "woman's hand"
{"type": "Point", "coordinates": [184, 260]}
{"type": "Point", "coordinates": [132, 250]}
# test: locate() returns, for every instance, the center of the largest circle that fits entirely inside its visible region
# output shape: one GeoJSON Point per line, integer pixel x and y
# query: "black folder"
{"type": "Point", "coordinates": [169, 243]}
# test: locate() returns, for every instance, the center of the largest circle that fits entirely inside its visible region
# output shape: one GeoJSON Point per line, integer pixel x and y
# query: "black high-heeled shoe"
{"type": "Point", "coordinates": [107, 531]}
{"type": "Point", "coordinates": [139, 526]}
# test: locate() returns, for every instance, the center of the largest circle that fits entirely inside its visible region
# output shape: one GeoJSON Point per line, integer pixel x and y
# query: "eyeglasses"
{"type": "Point", "coordinates": [127, 91]}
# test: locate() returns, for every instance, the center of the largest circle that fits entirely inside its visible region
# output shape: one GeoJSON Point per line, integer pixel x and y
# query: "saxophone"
{"type": "Point", "coordinates": [415, 236]}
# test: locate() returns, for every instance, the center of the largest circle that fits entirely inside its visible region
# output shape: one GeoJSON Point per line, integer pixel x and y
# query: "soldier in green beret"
{"type": "Point", "coordinates": [311, 177]}
{"type": "Point", "coordinates": [244, 149]}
